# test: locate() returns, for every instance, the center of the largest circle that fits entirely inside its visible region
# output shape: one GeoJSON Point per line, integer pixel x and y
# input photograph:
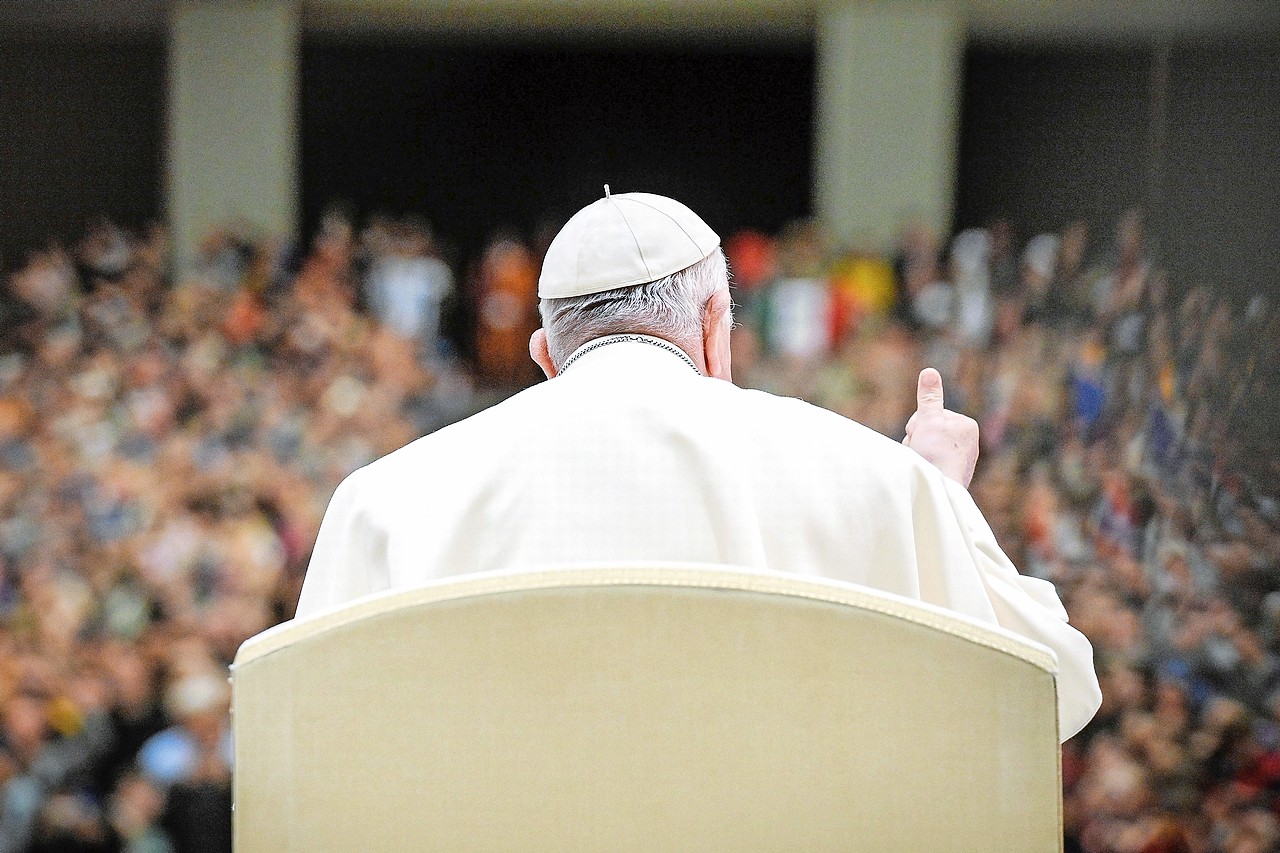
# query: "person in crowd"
{"type": "Point", "coordinates": [407, 284]}
{"type": "Point", "coordinates": [508, 278]}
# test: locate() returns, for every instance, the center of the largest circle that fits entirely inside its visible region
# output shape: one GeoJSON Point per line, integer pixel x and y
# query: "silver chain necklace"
{"type": "Point", "coordinates": [639, 339]}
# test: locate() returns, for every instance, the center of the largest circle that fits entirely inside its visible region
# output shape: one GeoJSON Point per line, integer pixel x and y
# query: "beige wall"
{"type": "Point", "coordinates": [233, 81]}
{"type": "Point", "coordinates": [888, 89]}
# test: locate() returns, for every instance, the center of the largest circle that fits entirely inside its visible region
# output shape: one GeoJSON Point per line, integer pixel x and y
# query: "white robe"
{"type": "Point", "coordinates": [629, 455]}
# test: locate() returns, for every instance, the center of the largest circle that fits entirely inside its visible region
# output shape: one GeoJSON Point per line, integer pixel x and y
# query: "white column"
{"type": "Point", "coordinates": [888, 93]}
{"type": "Point", "coordinates": [233, 138]}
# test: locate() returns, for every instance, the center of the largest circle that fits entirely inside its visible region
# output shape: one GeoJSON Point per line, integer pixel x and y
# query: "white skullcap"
{"type": "Point", "coordinates": [623, 240]}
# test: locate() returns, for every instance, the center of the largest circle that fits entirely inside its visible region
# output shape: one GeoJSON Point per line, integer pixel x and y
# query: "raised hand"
{"type": "Point", "coordinates": [947, 439]}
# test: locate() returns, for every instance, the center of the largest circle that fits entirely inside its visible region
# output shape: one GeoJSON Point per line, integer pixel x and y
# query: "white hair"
{"type": "Point", "coordinates": [669, 308]}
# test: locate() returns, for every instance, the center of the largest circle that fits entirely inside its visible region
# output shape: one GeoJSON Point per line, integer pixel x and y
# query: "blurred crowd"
{"type": "Point", "coordinates": [168, 444]}
{"type": "Point", "coordinates": [1128, 437]}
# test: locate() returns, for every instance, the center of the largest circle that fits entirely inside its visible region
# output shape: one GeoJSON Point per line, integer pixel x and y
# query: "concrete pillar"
{"type": "Point", "coordinates": [888, 95]}
{"type": "Point", "coordinates": [233, 136]}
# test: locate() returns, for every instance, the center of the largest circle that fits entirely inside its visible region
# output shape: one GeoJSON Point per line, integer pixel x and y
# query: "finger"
{"type": "Point", "coordinates": [929, 391]}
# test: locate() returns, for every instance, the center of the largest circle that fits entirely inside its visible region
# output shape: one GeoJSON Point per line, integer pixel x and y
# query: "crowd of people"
{"type": "Point", "coordinates": [1127, 456]}
{"type": "Point", "coordinates": [168, 444]}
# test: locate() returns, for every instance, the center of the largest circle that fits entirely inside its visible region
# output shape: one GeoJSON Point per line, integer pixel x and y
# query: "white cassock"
{"type": "Point", "coordinates": [630, 455]}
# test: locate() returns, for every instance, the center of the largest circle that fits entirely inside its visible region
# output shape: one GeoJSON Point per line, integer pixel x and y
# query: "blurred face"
{"type": "Point", "coordinates": [131, 677]}
{"type": "Point", "coordinates": [136, 804]}
{"type": "Point", "coordinates": [1074, 240]}
{"type": "Point", "coordinates": [207, 727]}
{"type": "Point", "coordinates": [25, 726]}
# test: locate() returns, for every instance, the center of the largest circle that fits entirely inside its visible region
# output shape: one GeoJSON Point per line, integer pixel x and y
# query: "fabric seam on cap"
{"type": "Point", "coordinates": [634, 238]}
{"type": "Point", "coordinates": [674, 221]}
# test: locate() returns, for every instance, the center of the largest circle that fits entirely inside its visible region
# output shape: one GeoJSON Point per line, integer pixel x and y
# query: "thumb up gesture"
{"type": "Point", "coordinates": [947, 439]}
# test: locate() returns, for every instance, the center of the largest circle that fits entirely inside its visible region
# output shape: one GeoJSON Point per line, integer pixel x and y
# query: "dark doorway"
{"type": "Point", "coordinates": [477, 138]}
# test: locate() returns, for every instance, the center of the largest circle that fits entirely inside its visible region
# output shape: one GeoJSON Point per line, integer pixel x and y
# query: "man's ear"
{"type": "Point", "coordinates": [541, 354]}
{"type": "Point", "coordinates": [717, 323]}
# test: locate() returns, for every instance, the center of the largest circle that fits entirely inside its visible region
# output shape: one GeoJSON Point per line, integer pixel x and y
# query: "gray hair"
{"type": "Point", "coordinates": [669, 308]}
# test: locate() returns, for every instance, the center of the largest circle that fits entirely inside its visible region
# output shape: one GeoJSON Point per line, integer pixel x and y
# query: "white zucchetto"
{"type": "Point", "coordinates": [623, 240]}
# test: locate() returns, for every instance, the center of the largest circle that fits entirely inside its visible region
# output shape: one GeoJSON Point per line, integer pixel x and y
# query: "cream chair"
{"type": "Point", "coordinates": [644, 709]}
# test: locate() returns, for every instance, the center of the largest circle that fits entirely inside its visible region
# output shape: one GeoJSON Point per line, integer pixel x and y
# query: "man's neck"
{"type": "Point", "coordinates": [638, 338]}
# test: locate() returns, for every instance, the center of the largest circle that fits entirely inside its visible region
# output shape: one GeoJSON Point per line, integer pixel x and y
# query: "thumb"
{"type": "Point", "coordinates": [929, 391]}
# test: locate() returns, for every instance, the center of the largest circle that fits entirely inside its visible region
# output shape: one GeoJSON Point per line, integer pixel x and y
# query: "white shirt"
{"type": "Point", "coordinates": [629, 455]}
{"type": "Point", "coordinates": [406, 292]}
